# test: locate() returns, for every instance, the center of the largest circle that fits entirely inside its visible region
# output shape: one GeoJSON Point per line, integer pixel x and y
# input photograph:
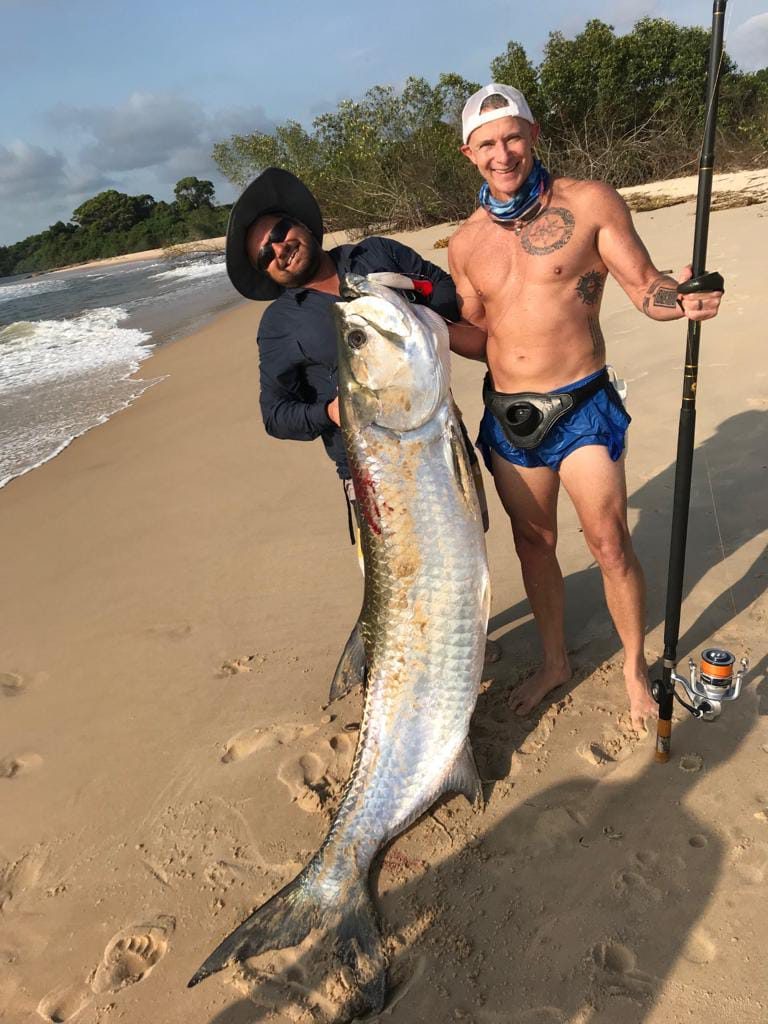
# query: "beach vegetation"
{"type": "Point", "coordinates": [113, 223]}
{"type": "Point", "coordinates": [627, 109]}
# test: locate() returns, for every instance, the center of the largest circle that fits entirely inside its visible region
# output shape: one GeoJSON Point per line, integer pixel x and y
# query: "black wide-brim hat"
{"type": "Point", "coordinates": [274, 191]}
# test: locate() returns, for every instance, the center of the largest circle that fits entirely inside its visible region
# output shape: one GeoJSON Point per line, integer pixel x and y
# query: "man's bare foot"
{"type": "Point", "coordinates": [532, 691]}
{"type": "Point", "coordinates": [643, 709]}
{"type": "Point", "coordinates": [492, 651]}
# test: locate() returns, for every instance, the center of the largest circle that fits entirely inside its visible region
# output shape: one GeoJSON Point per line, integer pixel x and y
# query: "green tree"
{"type": "Point", "coordinates": [113, 211]}
{"type": "Point", "coordinates": [192, 193]}
{"type": "Point", "coordinates": [513, 67]}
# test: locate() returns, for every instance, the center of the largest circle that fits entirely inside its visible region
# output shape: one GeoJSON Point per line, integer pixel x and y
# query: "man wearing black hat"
{"type": "Point", "coordinates": [274, 251]}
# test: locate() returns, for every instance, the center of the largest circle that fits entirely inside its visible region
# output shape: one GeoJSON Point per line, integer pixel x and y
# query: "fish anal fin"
{"type": "Point", "coordinates": [463, 776]}
{"type": "Point", "coordinates": [350, 672]}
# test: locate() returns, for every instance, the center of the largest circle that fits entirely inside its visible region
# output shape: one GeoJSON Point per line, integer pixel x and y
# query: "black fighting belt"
{"type": "Point", "coordinates": [526, 418]}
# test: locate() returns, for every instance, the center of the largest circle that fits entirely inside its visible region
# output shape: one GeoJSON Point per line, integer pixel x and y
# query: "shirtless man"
{"type": "Point", "coordinates": [529, 266]}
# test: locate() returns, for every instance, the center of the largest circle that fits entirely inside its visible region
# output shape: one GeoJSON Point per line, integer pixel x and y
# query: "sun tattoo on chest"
{"type": "Point", "coordinates": [549, 232]}
{"type": "Point", "coordinates": [590, 287]}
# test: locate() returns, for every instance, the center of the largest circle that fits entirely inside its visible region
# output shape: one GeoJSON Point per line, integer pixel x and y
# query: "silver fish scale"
{"type": "Point", "coordinates": [424, 622]}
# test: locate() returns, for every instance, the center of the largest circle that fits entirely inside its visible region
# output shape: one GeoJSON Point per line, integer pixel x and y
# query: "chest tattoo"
{"type": "Point", "coordinates": [590, 287]}
{"type": "Point", "coordinates": [549, 232]}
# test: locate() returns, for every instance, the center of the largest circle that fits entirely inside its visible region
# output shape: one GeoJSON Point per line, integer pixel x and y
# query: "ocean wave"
{"type": "Point", "coordinates": [23, 289]}
{"type": "Point", "coordinates": [193, 270]}
{"type": "Point", "coordinates": [36, 352]}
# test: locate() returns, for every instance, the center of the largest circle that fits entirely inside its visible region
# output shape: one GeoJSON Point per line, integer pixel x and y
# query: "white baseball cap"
{"type": "Point", "coordinates": [515, 106]}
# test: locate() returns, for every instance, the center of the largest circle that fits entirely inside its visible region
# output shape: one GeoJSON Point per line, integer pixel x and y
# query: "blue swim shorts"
{"type": "Point", "coordinates": [600, 419]}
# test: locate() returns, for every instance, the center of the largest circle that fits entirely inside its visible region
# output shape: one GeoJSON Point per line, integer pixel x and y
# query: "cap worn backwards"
{"type": "Point", "coordinates": [473, 116]}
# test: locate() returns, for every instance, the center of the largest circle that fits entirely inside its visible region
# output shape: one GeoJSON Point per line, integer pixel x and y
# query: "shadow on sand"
{"type": "Point", "coordinates": [573, 906]}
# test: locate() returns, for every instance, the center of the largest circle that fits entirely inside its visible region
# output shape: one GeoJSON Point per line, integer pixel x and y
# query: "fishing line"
{"type": "Point", "coordinates": [726, 31]}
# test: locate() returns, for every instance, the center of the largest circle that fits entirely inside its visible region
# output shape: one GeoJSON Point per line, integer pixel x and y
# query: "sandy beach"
{"type": "Point", "coordinates": [177, 588]}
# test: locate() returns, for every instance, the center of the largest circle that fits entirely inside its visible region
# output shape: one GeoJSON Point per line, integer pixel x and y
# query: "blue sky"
{"type": "Point", "coordinates": [133, 95]}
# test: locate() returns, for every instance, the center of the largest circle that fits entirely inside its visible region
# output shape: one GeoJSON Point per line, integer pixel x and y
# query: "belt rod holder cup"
{"type": "Point", "coordinates": [712, 682]}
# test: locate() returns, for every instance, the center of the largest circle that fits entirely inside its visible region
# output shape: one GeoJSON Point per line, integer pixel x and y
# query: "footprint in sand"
{"type": "Point", "coordinates": [691, 763]}
{"type": "Point", "coordinates": [129, 956]}
{"type": "Point", "coordinates": [617, 973]}
{"type": "Point", "coordinates": [286, 983]}
{"type": "Point", "coordinates": [699, 947]}
{"type": "Point", "coordinates": [268, 738]}
{"type": "Point", "coordinates": [615, 744]}
{"type": "Point", "coordinates": [132, 953]}
{"type": "Point", "coordinates": [751, 863]}
{"type": "Point", "coordinates": [541, 732]}
{"type": "Point", "coordinates": [64, 1002]}
{"type": "Point", "coordinates": [634, 880]}
{"type": "Point", "coordinates": [237, 666]}
{"type": "Point", "coordinates": [12, 684]}
{"type": "Point", "coordinates": [19, 878]}
{"type": "Point", "coordinates": [315, 779]}
{"type": "Point", "coordinates": [19, 764]}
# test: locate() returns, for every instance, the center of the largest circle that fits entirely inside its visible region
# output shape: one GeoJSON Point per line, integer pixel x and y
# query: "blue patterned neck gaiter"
{"type": "Point", "coordinates": [533, 188]}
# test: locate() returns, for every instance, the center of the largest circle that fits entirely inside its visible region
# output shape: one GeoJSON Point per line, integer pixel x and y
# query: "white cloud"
{"type": "Point", "coordinates": [748, 44]}
{"type": "Point", "coordinates": [142, 145]}
{"type": "Point", "coordinates": [162, 132]}
{"type": "Point", "coordinates": [26, 169]}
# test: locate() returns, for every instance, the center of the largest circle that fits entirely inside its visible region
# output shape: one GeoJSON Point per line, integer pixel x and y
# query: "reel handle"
{"type": "Point", "coordinates": [710, 281]}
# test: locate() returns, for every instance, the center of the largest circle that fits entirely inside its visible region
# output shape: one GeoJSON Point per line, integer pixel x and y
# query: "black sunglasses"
{"type": "Point", "coordinates": [267, 252]}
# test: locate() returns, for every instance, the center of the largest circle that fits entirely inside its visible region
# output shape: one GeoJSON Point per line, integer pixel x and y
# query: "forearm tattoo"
{"type": "Point", "coordinates": [590, 287]}
{"type": "Point", "coordinates": [549, 232]}
{"type": "Point", "coordinates": [598, 341]}
{"type": "Point", "coordinates": [661, 292]}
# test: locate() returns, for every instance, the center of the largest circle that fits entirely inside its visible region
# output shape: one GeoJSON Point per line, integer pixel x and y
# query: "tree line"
{"type": "Point", "coordinates": [626, 109]}
{"type": "Point", "coordinates": [113, 223]}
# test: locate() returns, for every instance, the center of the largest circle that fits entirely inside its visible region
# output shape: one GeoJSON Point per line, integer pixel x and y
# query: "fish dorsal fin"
{"type": "Point", "coordinates": [463, 777]}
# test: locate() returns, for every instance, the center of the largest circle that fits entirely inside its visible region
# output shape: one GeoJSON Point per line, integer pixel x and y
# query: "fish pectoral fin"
{"type": "Point", "coordinates": [463, 776]}
{"type": "Point", "coordinates": [350, 672]}
{"type": "Point", "coordinates": [459, 461]}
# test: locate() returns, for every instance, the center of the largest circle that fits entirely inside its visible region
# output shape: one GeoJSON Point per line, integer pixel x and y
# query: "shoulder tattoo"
{"type": "Point", "coordinates": [549, 232]}
{"type": "Point", "coordinates": [598, 341]}
{"type": "Point", "coordinates": [661, 292]}
{"type": "Point", "coordinates": [590, 287]}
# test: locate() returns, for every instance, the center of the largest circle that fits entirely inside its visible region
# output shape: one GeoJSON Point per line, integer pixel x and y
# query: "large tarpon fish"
{"type": "Point", "coordinates": [420, 639]}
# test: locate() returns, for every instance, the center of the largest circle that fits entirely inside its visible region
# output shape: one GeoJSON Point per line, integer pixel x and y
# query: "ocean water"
{"type": "Point", "coordinates": [70, 343]}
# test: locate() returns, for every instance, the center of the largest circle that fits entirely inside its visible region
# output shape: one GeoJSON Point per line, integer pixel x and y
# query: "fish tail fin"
{"type": "Point", "coordinates": [287, 918]}
{"type": "Point", "coordinates": [359, 945]}
{"type": "Point", "coordinates": [284, 920]}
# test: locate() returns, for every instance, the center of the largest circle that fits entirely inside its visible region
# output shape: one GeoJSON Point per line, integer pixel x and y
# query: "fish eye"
{"type": "Point", "coordinates": [356, 339]}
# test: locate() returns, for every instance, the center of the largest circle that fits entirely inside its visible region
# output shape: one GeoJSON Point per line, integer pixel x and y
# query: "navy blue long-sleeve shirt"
{"type": "Point", "coordinates": [297, 343]}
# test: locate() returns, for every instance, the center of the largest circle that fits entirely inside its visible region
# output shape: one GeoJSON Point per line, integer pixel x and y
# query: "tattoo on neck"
{"type": "Point", "coordinates": [661, 292]}
{"type": "Point", "coordinates": [549, 232]}
{"type": "Point", "coordinates": [598, 341]}
{"type": "Point", "coordinates": [590, 287]}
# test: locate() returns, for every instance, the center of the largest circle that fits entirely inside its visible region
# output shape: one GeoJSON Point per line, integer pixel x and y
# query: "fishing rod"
{"type": "Point", "coordinates": [714, 683]}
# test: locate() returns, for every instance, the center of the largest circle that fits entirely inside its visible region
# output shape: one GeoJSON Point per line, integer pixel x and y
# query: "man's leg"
{"type": "Point", "coordinates": [598, 489]}
{"type": "Point", "coordinates": [529, 497]}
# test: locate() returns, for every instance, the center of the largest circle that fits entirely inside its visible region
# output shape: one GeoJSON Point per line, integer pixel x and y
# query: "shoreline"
{"type": "Point", "coordinates": [754, 181]}
{"type": "Point", "coordinates": [178, 589]}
